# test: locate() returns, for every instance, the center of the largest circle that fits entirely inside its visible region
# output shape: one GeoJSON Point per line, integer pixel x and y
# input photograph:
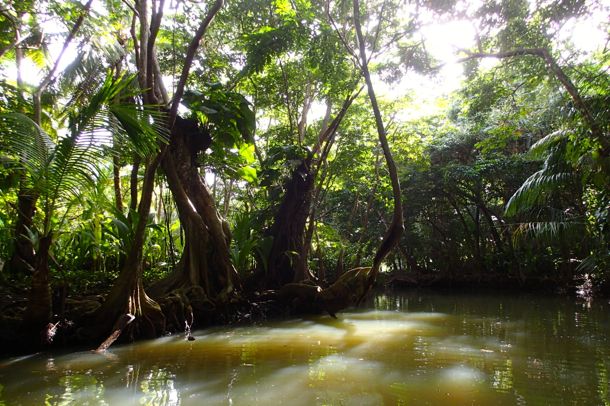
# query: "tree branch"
{"type": "Point", "coordinates": [332, 127]}
{"type": "Point", "coordinates": [188, 60]}
{"type": "Point", "coordinates": [347, 46]}
{"type": "Point", "coordinates": [143, 62]}
{"type": "Point", "coordinates": [12, 45]}
{"type": "Point", "coordinates": [154, 80]}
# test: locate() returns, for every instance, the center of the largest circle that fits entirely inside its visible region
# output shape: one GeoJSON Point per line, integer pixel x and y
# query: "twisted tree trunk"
{"type": "Point", "coordinates": [288, 230]}
{"type": "Point", "coordinates": [127, 295]}
{"type": "Point", "coordinates": [205, 259]}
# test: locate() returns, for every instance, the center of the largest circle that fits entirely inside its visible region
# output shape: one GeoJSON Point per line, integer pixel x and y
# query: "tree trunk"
{"type": "Point", "coordinates": [38, 312]}
{"type": "Point", "coordinates": [392, 236]}
{"type": "Point", "coordinates": [127, 295]}
{"type": "Point", "coordinates": [288, 229]}
{"type": "Point", "coordinates": [133, 184]}
{"type": "Point", "coordinates": [302, 271]}
{"type": "Point", "coordinates": [289, 226]}
{"type": "Point", "coordinates": [22, 260]}
{"type": "Point", "coordinates": [116, 182]}
{"type": "Point", "coordinates": [205, 261]}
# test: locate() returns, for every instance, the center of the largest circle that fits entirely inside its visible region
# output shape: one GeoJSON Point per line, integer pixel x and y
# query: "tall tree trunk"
{"type": "Point", "coordinates": [39, 309]}
{"type": "Point", "coordinates": [127, 295]}
{"type": "Point", "coordinates": [116, 182]}
{"type": "Point", "coordinates": [133, 184]}
{"type": "Point", "coordinates": [392, 236]}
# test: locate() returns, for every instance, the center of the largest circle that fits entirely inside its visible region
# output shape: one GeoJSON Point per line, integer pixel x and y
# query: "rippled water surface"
{"type": "Point", "coordinates": [404, 349]}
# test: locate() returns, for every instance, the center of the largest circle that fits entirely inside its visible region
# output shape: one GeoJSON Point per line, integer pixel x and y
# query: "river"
{"type": "Point", "coordinates": [409, 348]}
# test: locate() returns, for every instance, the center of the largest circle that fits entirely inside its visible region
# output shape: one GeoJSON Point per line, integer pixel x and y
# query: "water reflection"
{"type": "Point", "coordinates": [405, 349]}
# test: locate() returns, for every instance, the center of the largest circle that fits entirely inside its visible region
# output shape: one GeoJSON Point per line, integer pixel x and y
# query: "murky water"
{"type": "Point", "coordinates": [405, 349]}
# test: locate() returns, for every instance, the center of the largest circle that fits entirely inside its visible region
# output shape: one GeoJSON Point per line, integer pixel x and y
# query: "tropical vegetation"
{"type": "Point", "coordinates": [190, 163]}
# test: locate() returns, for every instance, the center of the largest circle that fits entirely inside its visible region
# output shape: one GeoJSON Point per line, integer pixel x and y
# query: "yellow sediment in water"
{"type": "Point", "coordinates": [422, 350]}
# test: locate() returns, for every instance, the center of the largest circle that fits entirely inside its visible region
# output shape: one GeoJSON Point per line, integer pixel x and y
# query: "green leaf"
{"type": "Point", "coordinates": [247, 153]}
{"type": "Point", "coordinates": [248, 174]}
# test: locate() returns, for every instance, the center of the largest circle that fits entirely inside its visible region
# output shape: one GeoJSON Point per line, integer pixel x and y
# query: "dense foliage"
{"type": "Point", "coordinates": [174, 158]}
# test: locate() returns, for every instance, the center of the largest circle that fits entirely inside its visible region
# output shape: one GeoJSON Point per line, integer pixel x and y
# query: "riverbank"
{"type": "Point", "coordinates": [407, 347]}
{"type": "Point", "coordinates": [69, 327]}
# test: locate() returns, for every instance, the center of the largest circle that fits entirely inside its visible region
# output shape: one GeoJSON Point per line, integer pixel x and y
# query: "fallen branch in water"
{"type": "Point", "coordinates": [48, 334]}
{"type": "Point", "coordinates": [121, 323]}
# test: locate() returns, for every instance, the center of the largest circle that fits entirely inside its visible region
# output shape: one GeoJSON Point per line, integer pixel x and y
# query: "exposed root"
{"type": "Point", "coordinates": [182, 307]}
{"type": "Point", "coordinates": [348, 290]}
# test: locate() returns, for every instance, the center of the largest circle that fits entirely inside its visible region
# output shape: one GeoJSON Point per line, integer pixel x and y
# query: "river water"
{"type": "Point", "coordinates": [400, 349]}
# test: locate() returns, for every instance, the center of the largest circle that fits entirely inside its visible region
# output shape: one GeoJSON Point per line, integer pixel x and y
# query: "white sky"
{"type": "Point", "coordinates": [444, 41]}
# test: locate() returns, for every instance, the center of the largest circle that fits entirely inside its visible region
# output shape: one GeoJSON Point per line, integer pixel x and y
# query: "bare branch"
{"type": "Point", "coordinates": [287, 99]}
{"type": "Point", "coordinates": [377, 32]}
{"type": "Point", "coordinates": [153, 80]}
{"type": "Point", "coordinates": [346, 44]}
{"type": "Point", "coordinates": [12, 45]}
{"type": "Point", "coordinates": [142, 6]}
{"type": "Point", "coordinates": [334, 125]}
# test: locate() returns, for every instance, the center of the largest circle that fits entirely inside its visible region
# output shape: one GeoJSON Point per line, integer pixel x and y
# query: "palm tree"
{"type": "Point", "coordinates": [58, 171]}
{"type": "Point", "coordinates": [566, 202]}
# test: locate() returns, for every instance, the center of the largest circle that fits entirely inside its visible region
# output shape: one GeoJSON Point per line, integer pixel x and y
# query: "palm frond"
{"type": "Point", "coordinates": [597, 262]}
{"type": "Point", "coordinates": [541, 186]}
{"type": "Point", "coordinates": [548, 231]}
{"type": "Point", "coordinates": [80, 78]}
{"type": "Point", "coordinates": [536, 189]}
{"type": "Point", "coordinates": [541, 147]}
{"type": "Point", "coordinates": [28, 143]}
{"type": "Point", "coordinates": [143, 127]}
{"type": "Point", "coordinates": [106, 119]}
{"type": "Point", "coordinates": [73, 168]}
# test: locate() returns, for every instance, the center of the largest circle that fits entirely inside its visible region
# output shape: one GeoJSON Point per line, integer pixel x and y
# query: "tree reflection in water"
{"type": "Point", "coordinates": [414, 348]}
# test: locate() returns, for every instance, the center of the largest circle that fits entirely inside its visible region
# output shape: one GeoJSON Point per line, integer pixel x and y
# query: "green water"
{"type": "Point", "coordinates": [403, 349]}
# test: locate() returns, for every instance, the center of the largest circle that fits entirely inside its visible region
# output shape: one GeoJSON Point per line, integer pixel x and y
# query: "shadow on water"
{"type": "Point", "coordinates": [402, 348]}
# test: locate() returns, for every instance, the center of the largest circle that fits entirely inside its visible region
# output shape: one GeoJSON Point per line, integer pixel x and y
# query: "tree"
{"type": "Point", "coordinates": [195, 203]}
{"type": "Point", "coordinates": [57, 171]}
